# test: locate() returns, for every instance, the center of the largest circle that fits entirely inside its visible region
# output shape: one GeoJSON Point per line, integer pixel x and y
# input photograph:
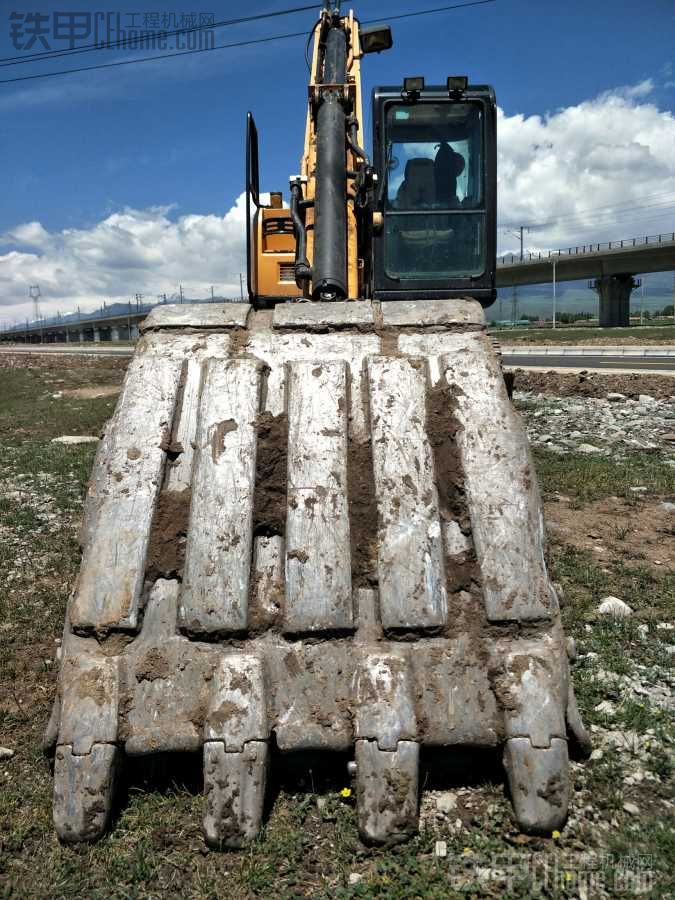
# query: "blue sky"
{"type": "Point", "coordinates": [78, 148]}
{"type": "Point", "coordinates": [172, 131]}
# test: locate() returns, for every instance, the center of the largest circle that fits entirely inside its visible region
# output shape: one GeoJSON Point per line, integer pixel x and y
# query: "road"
{"type": "Point", "coordinates": [656, 364]}
{"type": "Point", "coordinates": [70, 349]}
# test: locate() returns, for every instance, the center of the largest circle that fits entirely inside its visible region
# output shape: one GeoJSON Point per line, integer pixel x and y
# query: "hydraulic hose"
{"type": "Point", "coordinates": [303, 271]}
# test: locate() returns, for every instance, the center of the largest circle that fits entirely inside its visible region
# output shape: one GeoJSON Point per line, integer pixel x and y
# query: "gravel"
{"type": "Point", "coordinates": [613, 425]}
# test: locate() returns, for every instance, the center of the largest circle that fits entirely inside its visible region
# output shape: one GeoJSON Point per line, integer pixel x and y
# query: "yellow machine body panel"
{"type": "Point", "coordinates": [275, 253]}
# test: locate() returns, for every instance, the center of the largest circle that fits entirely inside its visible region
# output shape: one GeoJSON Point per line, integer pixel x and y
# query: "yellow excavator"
{"type": "Point", "coordinates": [313, 522]}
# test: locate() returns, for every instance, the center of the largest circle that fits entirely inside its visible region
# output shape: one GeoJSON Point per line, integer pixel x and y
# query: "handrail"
{"type": "Point", "coordinates": [586, 249]}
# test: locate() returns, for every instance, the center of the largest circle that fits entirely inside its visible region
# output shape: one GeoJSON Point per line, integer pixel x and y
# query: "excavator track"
{"type": "Point", "coordinates": [316, 527]}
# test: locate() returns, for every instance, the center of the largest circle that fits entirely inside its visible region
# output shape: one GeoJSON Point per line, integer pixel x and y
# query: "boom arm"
{"type": "Point", "coordinates": [334, 169]}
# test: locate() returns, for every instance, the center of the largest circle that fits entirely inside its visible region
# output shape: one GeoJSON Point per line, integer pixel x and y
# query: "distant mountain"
{"type": "Point", "coordinates": [122, 309]}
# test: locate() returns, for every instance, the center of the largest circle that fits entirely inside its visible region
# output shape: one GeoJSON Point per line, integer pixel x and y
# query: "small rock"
{"type": "Point", "coordinates": [588, 448]}
{"type": "Point", "coordinates": [355, 877]}
{"type": "Point", "coordinates": [571, 646]}
{"type": "Point", "coordinates": [441, 849]}
{"type": "Point", "coordinates": [669, 437]}
{"type": "Point", "coordinates": [631, 809]}
{"type": "Point", "coordinates": [75, 439]}
{"type": "Point", "coordinates": [615, 397]}
{"type": "Point", "coordinates": [446, 801]}
{"type": "Point", "coordinates": [597, 754]}
{"type": "Point", "coordinates": [665, 626]}
{"type": "Point", "coordinates": [643, 631]}
{"type": "Point", "coordinates": [669, 507]}
{"type": "Point", "coordinates": [6, 753]}
{"type": "Point", "coordinates": [639, 489]}
{"type": "Point", "coordinates": [612, 606]}
{"type": "Point", "coordinates": [606, 708]}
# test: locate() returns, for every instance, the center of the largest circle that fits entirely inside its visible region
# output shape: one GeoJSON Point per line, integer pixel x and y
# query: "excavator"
{"type": "Point", "coordinates": [313, 523]}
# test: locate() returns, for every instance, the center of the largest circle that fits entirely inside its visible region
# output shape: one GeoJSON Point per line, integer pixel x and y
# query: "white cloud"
{"type": "Point", "coordinates": [146, 251]}
{"type": "Point", "coordinates": [584, 169]}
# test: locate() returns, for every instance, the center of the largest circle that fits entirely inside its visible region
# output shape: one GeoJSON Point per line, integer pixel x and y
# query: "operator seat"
{"type": "Point", "coordinates": [418, 189]}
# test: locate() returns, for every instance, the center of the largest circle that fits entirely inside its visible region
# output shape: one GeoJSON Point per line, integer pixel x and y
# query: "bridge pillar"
{"type": "Point", "coordinates": [114, 333]}
{"type": "Point", "coordinates": [80, 335]}
{"type": "Point", "coordinates": [614, 292]}
{"type": "Point", "coordinates": [97, 336]}
{"type": "Point", "coordinates": [133, 331]}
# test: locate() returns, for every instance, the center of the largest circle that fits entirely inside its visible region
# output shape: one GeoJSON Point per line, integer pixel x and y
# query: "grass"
{"type": "Point", "coordinates": [156, 848]}
{"type": "Point", "coordinates": [645, 334]}
{"type": "Point", "coordinates": [585, 478]}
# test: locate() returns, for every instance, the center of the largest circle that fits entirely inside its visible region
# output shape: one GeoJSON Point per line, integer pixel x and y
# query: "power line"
{"type": "Point", "coordinates": [146, 59]}
{"type": "Point", "coordinates": [232, 45]}
{"type": "Point", "coordinates": [427, 12]}
{"type": "Point", "coordinates": [652, 200]}
{"type": "Point", "coordinates": [609, 213]}
{"type": "Point", "coordinates": [123, 42]}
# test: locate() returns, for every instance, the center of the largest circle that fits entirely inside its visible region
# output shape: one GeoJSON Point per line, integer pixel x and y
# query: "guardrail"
{"type": "Point", "coordinates": [586, 249]}
{"type": "Point", "coordinates": [586, 350]}
{"type": "Point", "coordinates": [75, 321]}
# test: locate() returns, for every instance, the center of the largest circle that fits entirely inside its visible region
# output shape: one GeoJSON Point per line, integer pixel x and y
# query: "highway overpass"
{"type": "Point", "coordinates": [611, 266]}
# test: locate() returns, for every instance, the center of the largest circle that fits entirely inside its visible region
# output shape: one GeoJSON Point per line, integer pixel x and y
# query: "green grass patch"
{"type": "Point", "coordinates": [586, 478]}
{"type": "Point", "coordinates": [29, 410]}
{"type": "Point", "coordinates": [658, 334]}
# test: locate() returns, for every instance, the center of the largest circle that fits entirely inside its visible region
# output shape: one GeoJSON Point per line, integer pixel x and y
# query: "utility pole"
{"type": "Point", "coordinates": [514, 305]}
{"type": "Point", "coordinates": [180, 291]}
{"type": "Point", "coordinates": [642, 298]}
{"type": "Point", "coordinates": [241, 286]}
{"type": "Point", "coordinates": [212, 298]}
{"type": "Point", "coordinates": [554, 297]}
{"type": "Point", "coordinates": [519, 233]}
{"type": "Point", "coordinates": [35, 294]}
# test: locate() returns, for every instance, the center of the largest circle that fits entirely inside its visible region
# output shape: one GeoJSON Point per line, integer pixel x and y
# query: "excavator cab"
{"type": "Point", "coordinates": [426, 220]}
{"type": "Point", "coordinates": [435, 152]}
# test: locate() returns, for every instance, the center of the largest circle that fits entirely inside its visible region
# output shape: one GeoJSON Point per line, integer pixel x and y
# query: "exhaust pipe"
{"type": "Point", "coordinates": [329, 267]}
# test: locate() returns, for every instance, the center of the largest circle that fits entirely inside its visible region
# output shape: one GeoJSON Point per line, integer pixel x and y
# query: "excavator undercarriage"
{"type": "Point", "coordinates": [313, 522]}
{"type": "Point", "coordinates": [318, 526]}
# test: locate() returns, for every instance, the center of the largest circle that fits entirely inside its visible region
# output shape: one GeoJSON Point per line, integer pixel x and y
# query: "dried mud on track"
{"type": "Point", "coordinates": [661, 387]}
{"type": "Point", "coordinates": [168, 535]}
{"type": "Point", "coordinates": [269, 502]}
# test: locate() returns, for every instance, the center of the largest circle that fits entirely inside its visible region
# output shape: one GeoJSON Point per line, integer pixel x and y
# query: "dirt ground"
{"type": "Point", "coordinates": [614, 527]}
{"type": "Point", "coordinates": [594, 384]}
